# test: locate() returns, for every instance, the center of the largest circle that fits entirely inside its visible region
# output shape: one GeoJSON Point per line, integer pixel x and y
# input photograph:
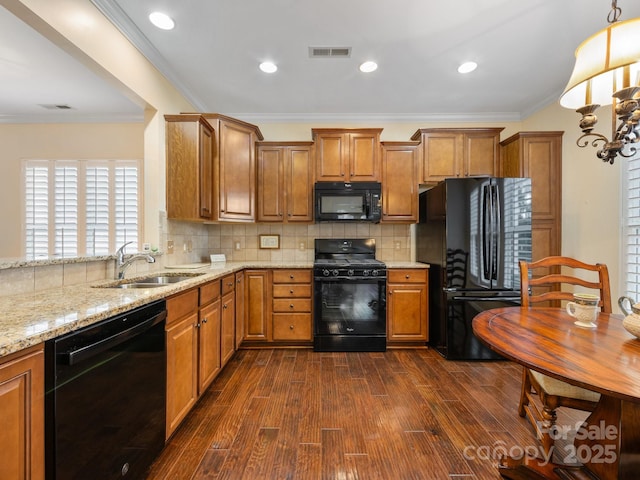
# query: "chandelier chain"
{"type": "Point", "coordinates": [615, 12]}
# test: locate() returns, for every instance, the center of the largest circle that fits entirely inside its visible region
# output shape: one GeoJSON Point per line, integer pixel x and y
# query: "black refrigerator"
{"type": "Point", "coordinates": [472, 231]}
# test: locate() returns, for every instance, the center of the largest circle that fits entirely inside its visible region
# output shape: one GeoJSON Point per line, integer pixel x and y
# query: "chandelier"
{"type": "Point", "coordinates": [607, 72]}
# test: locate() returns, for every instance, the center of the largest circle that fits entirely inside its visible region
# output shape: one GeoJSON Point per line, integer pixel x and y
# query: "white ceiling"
{"type": "Point", "coordinates": [524, 49]}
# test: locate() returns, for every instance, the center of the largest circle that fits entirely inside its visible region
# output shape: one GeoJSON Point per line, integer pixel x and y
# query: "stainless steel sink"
{"type": "Point", "coordinates": [152, 281]}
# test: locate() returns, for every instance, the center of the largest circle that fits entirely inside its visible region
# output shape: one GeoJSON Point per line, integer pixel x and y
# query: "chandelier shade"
{"type": "Point", "coordinates": [605, 63]}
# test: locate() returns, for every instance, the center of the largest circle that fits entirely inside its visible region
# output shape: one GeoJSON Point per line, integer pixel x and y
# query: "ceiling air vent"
{"type": "Point", "coordinates": [329, 52]}
{"type": "Point", "coordinates": [50, 106]}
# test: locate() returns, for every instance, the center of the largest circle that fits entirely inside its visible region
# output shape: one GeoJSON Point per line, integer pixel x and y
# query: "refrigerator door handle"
{"type": "Point", "coordinates": [495, 234]}
{"type": "Point", "coordinates": [486, 232]}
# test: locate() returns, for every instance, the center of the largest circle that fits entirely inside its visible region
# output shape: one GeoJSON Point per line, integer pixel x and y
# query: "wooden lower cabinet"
{"type": "Point", "coordinates": [292, 305]}
{"type": "Point", "coordinates": [257, 305]}
{"type": "Point", "coordinates": [228, 321]}
{"type": "Point", "coordinates": [22, 415]}
{"type": "Point", "coordinates": [407, 306]}
{"type": "Point", "coordinates": [240, 293]}
{"type": "Point", "coordinates": [193, 333]}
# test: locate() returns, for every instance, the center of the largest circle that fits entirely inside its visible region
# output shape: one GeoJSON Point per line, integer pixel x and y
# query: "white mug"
{"type": "Point", "coordinates": [584, 309]}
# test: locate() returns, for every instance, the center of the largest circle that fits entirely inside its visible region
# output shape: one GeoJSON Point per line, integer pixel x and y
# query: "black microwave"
{"type": "Point", "coordinates": [351, 202]}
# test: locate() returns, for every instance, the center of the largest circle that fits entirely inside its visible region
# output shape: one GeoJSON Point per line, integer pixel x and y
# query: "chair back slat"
{"type": "Point", "coordinates": [565, 271]}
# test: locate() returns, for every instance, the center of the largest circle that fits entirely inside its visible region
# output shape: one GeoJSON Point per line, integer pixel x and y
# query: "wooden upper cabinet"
{"type": "Point", "coordinates": [234, 167]}
{"type": "Point", "coordinates": [285, 182]}
{"type": "Point", "coordinates": [400, 162]}
{"type": "Point", "coordinates": [347, 155]}
{"type": "Point", "coordinates": [190, 188]}
{"type": "Point", "coordinates": [538, 155]}
{"type": "Point", "coordinates": [456, 152]}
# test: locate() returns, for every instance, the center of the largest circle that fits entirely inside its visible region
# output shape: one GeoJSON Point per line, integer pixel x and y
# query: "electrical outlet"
{"type": "Point", "coordinates": [189, 246]}
{"type": "Point", "coordinates": [236, 245]}
{"type": "Point", "coordinates": [302, 246]}
{"type": "Point", "coordinates": [397, 245]}
{"type": "Point", "coordinates": [169, 247]}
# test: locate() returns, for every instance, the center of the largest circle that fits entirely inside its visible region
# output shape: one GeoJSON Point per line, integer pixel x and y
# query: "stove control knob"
{"type": "Point", "coordinates": [366, 272]}
{"type": "Point", "coordinates": [325, 272]}
{"type": "Point", "coordinates": [335, 272]}
{"type": "Point", "coordinates": [374, 273]}
{"type": "Point", "coordinates": [351, 273]}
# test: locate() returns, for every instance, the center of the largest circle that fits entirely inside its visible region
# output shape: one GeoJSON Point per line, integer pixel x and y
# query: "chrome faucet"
{"type": "Point", "coordinates": [122, 264]}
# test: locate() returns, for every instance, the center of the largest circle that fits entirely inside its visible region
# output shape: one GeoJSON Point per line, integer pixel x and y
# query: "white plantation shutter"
{"type": "Point", "coordinates": [631, 251]}
{"type": "Point", "coordinates": [65, 188]}
{"type": "Point", "coordinates": [97, 211]}
{"type": "Point", "coordinates": [37, 211]}
{"type": "Point", "coordinates": [126, 204]}
{"type": "Point", "coordinates": [78, 208]}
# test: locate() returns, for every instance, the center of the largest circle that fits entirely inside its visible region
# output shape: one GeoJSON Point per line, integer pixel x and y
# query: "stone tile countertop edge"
{"type": "Point", "coordinates": [30, 319]}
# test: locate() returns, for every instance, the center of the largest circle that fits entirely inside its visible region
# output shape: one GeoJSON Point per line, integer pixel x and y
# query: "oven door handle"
{"type": "Point", "coordinates": [351, 279]}
{"type": "Point", "coordinates": [76, 356]}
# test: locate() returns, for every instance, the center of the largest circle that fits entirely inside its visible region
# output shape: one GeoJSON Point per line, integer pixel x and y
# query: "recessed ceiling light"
{"type": "Point", "coordinates": [162, 20]}
{"type": "Point", "coordinates": [467, 67]}
{"type": "Point", "coordinates": [368, 67]}
{"type": "Point", "coordinates": [268, 67]}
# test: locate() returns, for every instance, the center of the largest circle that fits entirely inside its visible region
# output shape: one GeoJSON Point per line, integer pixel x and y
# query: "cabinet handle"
{"type": "Point", "coordinates": [291, 305]}
{"type": "Point", "coordinates": [197, 325]}
{"type": "Point", "coordinates": [204, 320]}
{"type": "Point", "coordinates": [290, 291]}
{"type": "Point", "coordinates": [224, 306]}
{"type": "Point", "coordinates": [238, 281]}
{"type": "Point", "coordinates": [291, 276]}
{"type": "Point", "coordinates": [290, 327]}
{"type": "Point", "coordinates": [407, 276]}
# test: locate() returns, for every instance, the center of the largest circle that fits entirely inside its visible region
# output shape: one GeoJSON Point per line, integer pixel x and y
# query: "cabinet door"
{"type": "Point", "coordinates": [236, 173]}
{"type": "Point", "coordinates": [481, 153]}
{"type": "Point", "coordinates": [189, 168]}
{"type": "Point", "coordinates": [182, 369]}
{"type": "Point", "coordinates": [209, 357]}
{"type": "Point", "coordinates": [407, 312]}
{"type": "Point", "coordinates": [332, 150]}
{"type": "Point", "coordinates": [270, 184]}
{"type": "Point", "coordinates": [399, 185]}
{"type": "Point", "coordinates": [257, 301]}
{"type": "Point", "coordinates": [239, 292]}
{"type": "Point", "coordinates": [364, 157]}
{"type": "Point", "coordinates": [442, 156]}
{"type": "Point", "coordinates": [22, 416]}
{"type": "Point", "coordinates": [299, 184]}
{"type": "Point", "coordinates": [228, 329]}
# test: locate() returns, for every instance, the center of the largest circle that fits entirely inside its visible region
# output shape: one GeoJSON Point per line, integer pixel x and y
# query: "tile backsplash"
{"type": "Point", "coordinates": [193, 243]}
{"type": "Point", "coordinates": [240, 242]}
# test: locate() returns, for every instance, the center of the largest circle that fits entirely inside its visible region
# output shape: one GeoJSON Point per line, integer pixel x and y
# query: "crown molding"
{"type": "Point", "coordinates": [116, 15]}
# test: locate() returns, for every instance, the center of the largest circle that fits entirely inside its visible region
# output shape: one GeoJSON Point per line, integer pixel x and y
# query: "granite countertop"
{"type": "Point", "coordinates": [29, 319]}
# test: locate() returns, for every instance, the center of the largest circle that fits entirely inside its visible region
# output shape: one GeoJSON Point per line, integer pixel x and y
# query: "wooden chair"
{"type": "Point", "coordinates": [546, 288]}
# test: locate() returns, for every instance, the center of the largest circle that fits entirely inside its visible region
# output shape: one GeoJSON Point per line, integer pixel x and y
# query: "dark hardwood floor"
{"type": "Point", "coordinates": [401, 414]}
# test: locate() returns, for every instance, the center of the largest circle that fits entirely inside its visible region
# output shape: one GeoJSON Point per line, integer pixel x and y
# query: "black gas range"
{"type": "Point", "coordinates": [349, 296]}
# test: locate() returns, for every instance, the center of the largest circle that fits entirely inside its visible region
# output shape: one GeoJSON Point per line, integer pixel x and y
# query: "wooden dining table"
{"type": "Point", "coordinates": [605, 359]}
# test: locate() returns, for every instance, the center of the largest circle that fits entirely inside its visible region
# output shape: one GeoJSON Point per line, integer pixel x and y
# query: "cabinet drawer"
{"type": "Point", "coordinates": [299, 290]}
{"type": "Point", "coordinates": [292, 305]}
{"type": "Point", "coordinates": [407, 275]}
{"type": "Point", "coordinates": [292, 276]}
{"type": "Point", "coordinates": [182, 304]}
{"type": "Point", "coordinates": [228, 283]}
{"type": "Point", "coordinates": [292, 326]}
{"type": "Point", "coordinates": [209, 292]}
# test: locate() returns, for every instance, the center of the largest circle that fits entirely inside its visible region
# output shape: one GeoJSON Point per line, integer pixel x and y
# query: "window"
{"type": "Point", "coordinates": [631, 234]}
{"type": "Point", "coordinates": [80, 208]}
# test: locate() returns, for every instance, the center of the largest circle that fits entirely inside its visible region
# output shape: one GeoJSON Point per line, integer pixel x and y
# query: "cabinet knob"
{"type": "Point", "coordinates": [230, 284]}
{"type": "Point", "coordinates": [204, 320]}
{"type": "Point", "coordinates": [407, 276]}
{"type": "Point", "coordinates": [290, 327]}
{"type": "Point", "coordinates": [291, 305]}
{"type": "Point", "coordinates": [290, 291]}
{"type": "Point", "coordinates": [291, 276]}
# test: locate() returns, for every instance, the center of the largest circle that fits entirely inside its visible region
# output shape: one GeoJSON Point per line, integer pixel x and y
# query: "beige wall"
{"type": "Point", "coordinates": [53, 142]}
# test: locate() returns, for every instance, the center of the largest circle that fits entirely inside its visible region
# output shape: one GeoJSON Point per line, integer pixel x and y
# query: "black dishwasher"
{"type": "Point", "coordinates": [106, 397]}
